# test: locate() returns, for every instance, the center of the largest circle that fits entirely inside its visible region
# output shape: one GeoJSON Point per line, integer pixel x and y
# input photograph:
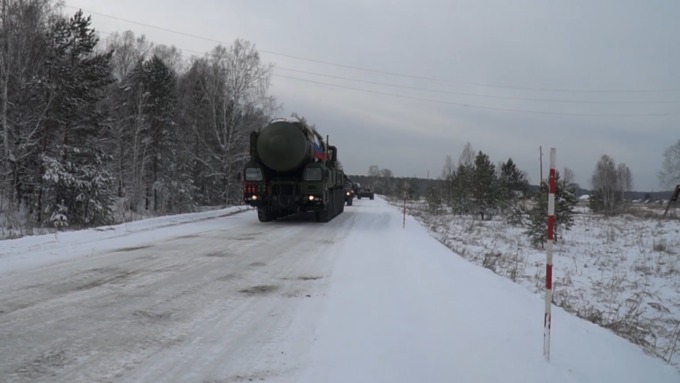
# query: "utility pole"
{"type": "Point", "coordinates": [540, 161]}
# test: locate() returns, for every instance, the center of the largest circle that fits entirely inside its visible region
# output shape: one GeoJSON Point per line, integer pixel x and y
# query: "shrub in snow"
{"type": "Point", "coordinates": [59, 218]}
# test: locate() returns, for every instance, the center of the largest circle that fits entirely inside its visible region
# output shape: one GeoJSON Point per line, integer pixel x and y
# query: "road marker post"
{"type": "Point", "coordinates": [549, 257]}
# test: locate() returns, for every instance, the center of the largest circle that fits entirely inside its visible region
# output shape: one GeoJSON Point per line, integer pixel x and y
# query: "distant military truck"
{"type": "Point", "coordinates": [365, 193]}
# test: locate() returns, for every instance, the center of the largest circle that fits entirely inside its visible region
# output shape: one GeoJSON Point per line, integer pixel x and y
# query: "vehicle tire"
{"type": "Point", "coordinates": [323, 215]}
{"type": "Point", "coordinates": [265, 214]}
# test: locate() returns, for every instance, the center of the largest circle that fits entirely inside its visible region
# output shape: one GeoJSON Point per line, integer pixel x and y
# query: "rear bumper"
{"type": "Point", "coordinates": [301, 202]}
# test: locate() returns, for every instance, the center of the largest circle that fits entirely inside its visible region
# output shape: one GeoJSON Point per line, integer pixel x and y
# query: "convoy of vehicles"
{"type": "Point", "coordinates": [362, 191]}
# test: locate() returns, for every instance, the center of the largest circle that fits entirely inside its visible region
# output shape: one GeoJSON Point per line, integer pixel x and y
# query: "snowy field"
{"type": "Point", "coordinates": [221, 297]}
{"type": "Point", "coordinates": [622, 273]}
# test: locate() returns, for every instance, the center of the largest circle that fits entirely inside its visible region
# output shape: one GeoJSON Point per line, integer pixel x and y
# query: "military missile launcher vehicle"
{"type": "Point", "coordinates": [293, 170]}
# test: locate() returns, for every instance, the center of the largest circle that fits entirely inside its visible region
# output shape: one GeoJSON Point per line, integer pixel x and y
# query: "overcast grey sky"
{"type": "Point", "coordinates": [402, 85]}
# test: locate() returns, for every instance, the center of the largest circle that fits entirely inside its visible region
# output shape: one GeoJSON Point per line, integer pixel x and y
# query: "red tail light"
{"type": "Point", "coordinates": [249, 188]}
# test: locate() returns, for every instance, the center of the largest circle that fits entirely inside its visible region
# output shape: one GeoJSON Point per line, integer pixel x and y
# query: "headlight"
{"type": "Point", "coordinates": [311, 198]}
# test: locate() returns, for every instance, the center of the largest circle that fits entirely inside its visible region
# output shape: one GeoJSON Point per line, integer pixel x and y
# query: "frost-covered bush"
{"type": "Point", "coordinates": [75, 180]}
{"type": "Point", "coordinates": [59, 219]}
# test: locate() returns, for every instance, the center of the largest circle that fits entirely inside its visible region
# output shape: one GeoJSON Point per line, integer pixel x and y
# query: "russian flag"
{"type": "Point", "coordinates": [318, 152]}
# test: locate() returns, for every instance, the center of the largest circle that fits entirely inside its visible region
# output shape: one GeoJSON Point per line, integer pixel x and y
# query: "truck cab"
{"type": "Point", "coordinates": [349, 193]}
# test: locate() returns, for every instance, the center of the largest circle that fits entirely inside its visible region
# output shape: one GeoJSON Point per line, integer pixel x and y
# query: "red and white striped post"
{"type": "Point", "coordinates": [549, 256]}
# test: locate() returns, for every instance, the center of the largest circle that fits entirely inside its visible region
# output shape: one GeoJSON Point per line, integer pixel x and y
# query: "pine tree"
{"type": "Point", "coordinates": [565, 203]}
{"type": "Point", "coordinates": [512, 187]}
{"type": "Point", "coordinates": [512, 181]}
{"type": "Point", "coordinates": [74, 175]}
{"type": "Point", "coordinates": [462, 189]}
{"type": "Point", "coordinates": [484, 186]}
{"type": "Point", "coordinates": [77, 177]}
{"type": "Point", "coordinates": [434, 198]}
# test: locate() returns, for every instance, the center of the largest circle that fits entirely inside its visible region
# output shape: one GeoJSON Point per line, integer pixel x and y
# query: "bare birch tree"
{"type": "Point", "coordinates": [125, 105]}
{"type": "Point", "coordinates": [448, 172]}
{"type": "Point", "coordinates": [624, 180]}
{"type": "Point", "coordinates": [609, 182]}
{"type": "Point", "coordinates": [669, 176]}
{"type": "Point", "coordinates": [234, 86]}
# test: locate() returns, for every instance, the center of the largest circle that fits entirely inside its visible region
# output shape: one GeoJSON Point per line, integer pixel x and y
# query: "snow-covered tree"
{"type": "Point", "coordinates": [73, 171]}
{"type": "Point", "coordinates": [84, 188]}
{"type": "Point", "coordinates": [229, 89]}
{"type": "Point", "coordinates": [23, 98]}
{"type": "Point", "coordinates": [128, 51]}
{"type": "Point", "coordinates": [156, 82]}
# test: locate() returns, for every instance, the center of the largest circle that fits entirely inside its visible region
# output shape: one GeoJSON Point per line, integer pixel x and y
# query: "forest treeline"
{"type": "Point", "coordinates": [476, 186]}
{"type": "Point", "coordinates": [93, 128]}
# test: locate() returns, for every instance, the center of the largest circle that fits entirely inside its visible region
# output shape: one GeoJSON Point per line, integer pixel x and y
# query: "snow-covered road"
{"type": "Point", "coordinates": [229, 298]}
{"type": "Point", "coordinates": [220, 297]}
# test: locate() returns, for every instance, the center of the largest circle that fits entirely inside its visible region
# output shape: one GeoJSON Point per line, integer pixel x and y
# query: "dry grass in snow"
{"type": "Point", "coordinates": [622, 273]}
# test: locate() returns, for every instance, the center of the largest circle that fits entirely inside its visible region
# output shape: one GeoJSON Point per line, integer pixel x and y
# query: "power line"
{"type": "Point", "coordinates": [444, 91]}
{"type": "Point", "coordinates": [481, 106]}
{"type": "Point", "coordinates": [473, 94]}
{"type": "Point", "coordinates": [443, 101]}
{"type": "Point", "coordinates": [384, 72]}
{"type": "Point", "coordinates": [465, 105]}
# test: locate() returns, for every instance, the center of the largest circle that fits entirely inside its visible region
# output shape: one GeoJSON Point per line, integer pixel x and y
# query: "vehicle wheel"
{"type": "Point", "coordinates": [323, 215]}
{"type": "Point", "coordinates": [371, 197]}
{"type": "Point", "coordinates": [264, 214]}
{"type": "Point", "coordinates": [349, 202]}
